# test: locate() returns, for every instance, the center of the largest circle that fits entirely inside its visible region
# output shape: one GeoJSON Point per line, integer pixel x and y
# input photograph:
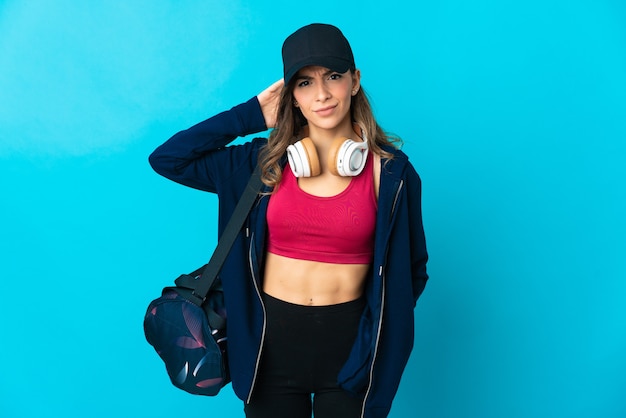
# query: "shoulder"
{"type": "Point", "coordinates": [397, 164]}
{"type": "Point", "coordinates": [398, 168]}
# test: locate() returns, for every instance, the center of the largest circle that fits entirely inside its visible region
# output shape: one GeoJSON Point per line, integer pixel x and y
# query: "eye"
{"type": "Point", "coordinates": [335, 76]}
{"type": "Point", "coordinates": [303, 83]}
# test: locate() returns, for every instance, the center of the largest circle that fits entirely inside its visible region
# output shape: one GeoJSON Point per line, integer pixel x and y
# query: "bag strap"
{"type": "Point", "coordinates": [202, 285]}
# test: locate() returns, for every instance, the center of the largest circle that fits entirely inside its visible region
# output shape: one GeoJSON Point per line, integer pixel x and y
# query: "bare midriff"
{"type": "Point", "coordinates": [314, 283]}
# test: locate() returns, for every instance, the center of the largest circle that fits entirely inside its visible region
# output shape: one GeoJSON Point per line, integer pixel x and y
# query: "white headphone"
{"type": "Point", "coordinates": [346, 158]}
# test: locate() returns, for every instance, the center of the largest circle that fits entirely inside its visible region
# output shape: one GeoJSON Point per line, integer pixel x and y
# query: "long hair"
{"type": "Point", "coordinates": [288, 130]}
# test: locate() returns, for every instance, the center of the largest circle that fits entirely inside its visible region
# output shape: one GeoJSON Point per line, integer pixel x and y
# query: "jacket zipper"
{"type": "Point", "coordinates": [258, 292]}
{"type": "Point", "coordinates": [395, 199]}
{"type": "Point", "coordinates": [382, 306]}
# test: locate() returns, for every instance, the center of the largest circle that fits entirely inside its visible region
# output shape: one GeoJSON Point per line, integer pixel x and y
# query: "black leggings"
{"type": "Point", "coordinates": [305, 347]}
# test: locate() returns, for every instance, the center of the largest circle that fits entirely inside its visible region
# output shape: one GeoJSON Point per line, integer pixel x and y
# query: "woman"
{"type": "Point", "coordinates": [322, 281]}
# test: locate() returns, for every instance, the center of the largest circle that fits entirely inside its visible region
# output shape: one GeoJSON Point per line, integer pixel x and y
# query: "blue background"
{"type": "Point", "coordinates": [514, 113]}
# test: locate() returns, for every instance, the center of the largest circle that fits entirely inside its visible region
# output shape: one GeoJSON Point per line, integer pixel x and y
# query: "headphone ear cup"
{"type": "Point", "coordinates": [347, 157]}
{"type": "Point", "coordinates": [312, 157]}
{"type": "Point", "coordinates": [333, 155]}
{"type": "Point", "coordinates": [303, 159]}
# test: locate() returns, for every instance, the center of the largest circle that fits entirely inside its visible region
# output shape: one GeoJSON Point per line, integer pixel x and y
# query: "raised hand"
{"type": "Point", "coordinates": [269, 99]}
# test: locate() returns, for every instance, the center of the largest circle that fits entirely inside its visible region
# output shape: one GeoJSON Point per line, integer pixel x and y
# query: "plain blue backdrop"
{"type": "Point", "coordinates": [513, 112]}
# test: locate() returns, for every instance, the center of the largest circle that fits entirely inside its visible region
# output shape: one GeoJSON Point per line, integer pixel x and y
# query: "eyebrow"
{"type": "Point", "coordinates": [308, 77]}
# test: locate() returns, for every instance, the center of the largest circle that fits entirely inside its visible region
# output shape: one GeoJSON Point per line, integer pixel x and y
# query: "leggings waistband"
{"type": "Point", "coordinates": [350, 306]}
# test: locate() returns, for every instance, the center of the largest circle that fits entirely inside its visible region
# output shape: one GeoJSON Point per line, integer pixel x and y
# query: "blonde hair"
{"type": "Point", "coordinates": [288, 130]}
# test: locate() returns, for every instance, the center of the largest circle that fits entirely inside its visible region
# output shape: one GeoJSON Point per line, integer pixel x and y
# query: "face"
{"type": "Point", "coordinates": [325, 96]}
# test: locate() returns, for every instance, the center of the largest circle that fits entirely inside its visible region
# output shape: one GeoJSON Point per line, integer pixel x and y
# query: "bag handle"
{"type": "Point", "coordinates": [202, 285]}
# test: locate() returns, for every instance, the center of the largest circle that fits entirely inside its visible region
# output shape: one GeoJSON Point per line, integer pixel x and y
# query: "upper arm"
{"type": "Point", "coordinates": [377, 168]}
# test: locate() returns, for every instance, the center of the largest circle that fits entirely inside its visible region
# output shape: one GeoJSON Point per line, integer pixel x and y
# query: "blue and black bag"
{"type": "Point", "coordinates": [186, 325]}
{"type": "Point", "coordinates": [190, 335]}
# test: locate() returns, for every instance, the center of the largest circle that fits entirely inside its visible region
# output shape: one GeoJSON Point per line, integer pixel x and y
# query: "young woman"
{"type": "Point", "coordinates": [321, 284]}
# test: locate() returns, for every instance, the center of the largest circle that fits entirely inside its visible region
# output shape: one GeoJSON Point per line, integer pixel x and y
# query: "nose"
{"type": "Point", "coordinates": [323, 93]}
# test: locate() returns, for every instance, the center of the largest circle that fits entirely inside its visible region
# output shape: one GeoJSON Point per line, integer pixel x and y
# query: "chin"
{"type": "Point", "coordinates": [327, 123]}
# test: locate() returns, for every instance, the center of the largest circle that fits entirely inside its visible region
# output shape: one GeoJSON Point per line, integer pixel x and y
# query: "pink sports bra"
{"type": "Point", "coordinates": [336, 229]}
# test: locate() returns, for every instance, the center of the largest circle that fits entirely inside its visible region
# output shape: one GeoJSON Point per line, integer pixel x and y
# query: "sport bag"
{"type": "Point", "coordinates": [186, 325]}
{"type": "Point", "coordinates": [192, 345]}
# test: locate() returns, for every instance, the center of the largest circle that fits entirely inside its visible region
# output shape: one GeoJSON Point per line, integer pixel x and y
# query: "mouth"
{"type": "Point", "coordinates": [325, 110]}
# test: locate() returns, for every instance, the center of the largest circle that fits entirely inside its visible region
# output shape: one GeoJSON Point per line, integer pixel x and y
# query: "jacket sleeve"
{"type": "Point", "coordinates": [419, 255]}
{"type": "Point", "coordinates": [197, 157]}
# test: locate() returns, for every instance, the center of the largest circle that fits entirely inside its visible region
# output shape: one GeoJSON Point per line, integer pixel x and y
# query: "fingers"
{"type": "Point", "coordinates": [272, 91]}
{"type": "Point", "coordinates": [277, 86]}
{"type": "Point", "coordinates": [269, 99]}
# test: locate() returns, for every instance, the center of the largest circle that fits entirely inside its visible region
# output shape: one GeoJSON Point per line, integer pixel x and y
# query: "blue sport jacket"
{"type": "Point", "coordinates": [200, 157]}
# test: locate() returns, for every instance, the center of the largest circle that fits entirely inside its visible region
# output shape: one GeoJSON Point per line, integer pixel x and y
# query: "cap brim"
{"type": "Point", "coordinates": [339, 65]}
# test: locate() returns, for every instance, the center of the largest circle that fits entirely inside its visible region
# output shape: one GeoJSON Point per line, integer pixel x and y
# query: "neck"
{"type": "Point", "coordinates": [324, 137]}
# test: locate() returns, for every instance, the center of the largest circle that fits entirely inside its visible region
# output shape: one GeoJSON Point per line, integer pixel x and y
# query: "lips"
{"type": "Point", "coordinates": [325, 111]}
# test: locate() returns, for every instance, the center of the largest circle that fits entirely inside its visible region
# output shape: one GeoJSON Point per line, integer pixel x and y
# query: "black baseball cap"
{"type": "Point", "coordinates": [316, 44]}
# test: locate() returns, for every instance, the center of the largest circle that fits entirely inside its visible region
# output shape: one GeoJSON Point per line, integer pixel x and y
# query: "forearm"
{"type": "Point", "coordinates": [186, 156]}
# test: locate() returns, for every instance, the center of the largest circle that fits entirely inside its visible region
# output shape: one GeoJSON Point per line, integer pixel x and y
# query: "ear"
{"type": "Point", "coordinates": [356, 81]}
